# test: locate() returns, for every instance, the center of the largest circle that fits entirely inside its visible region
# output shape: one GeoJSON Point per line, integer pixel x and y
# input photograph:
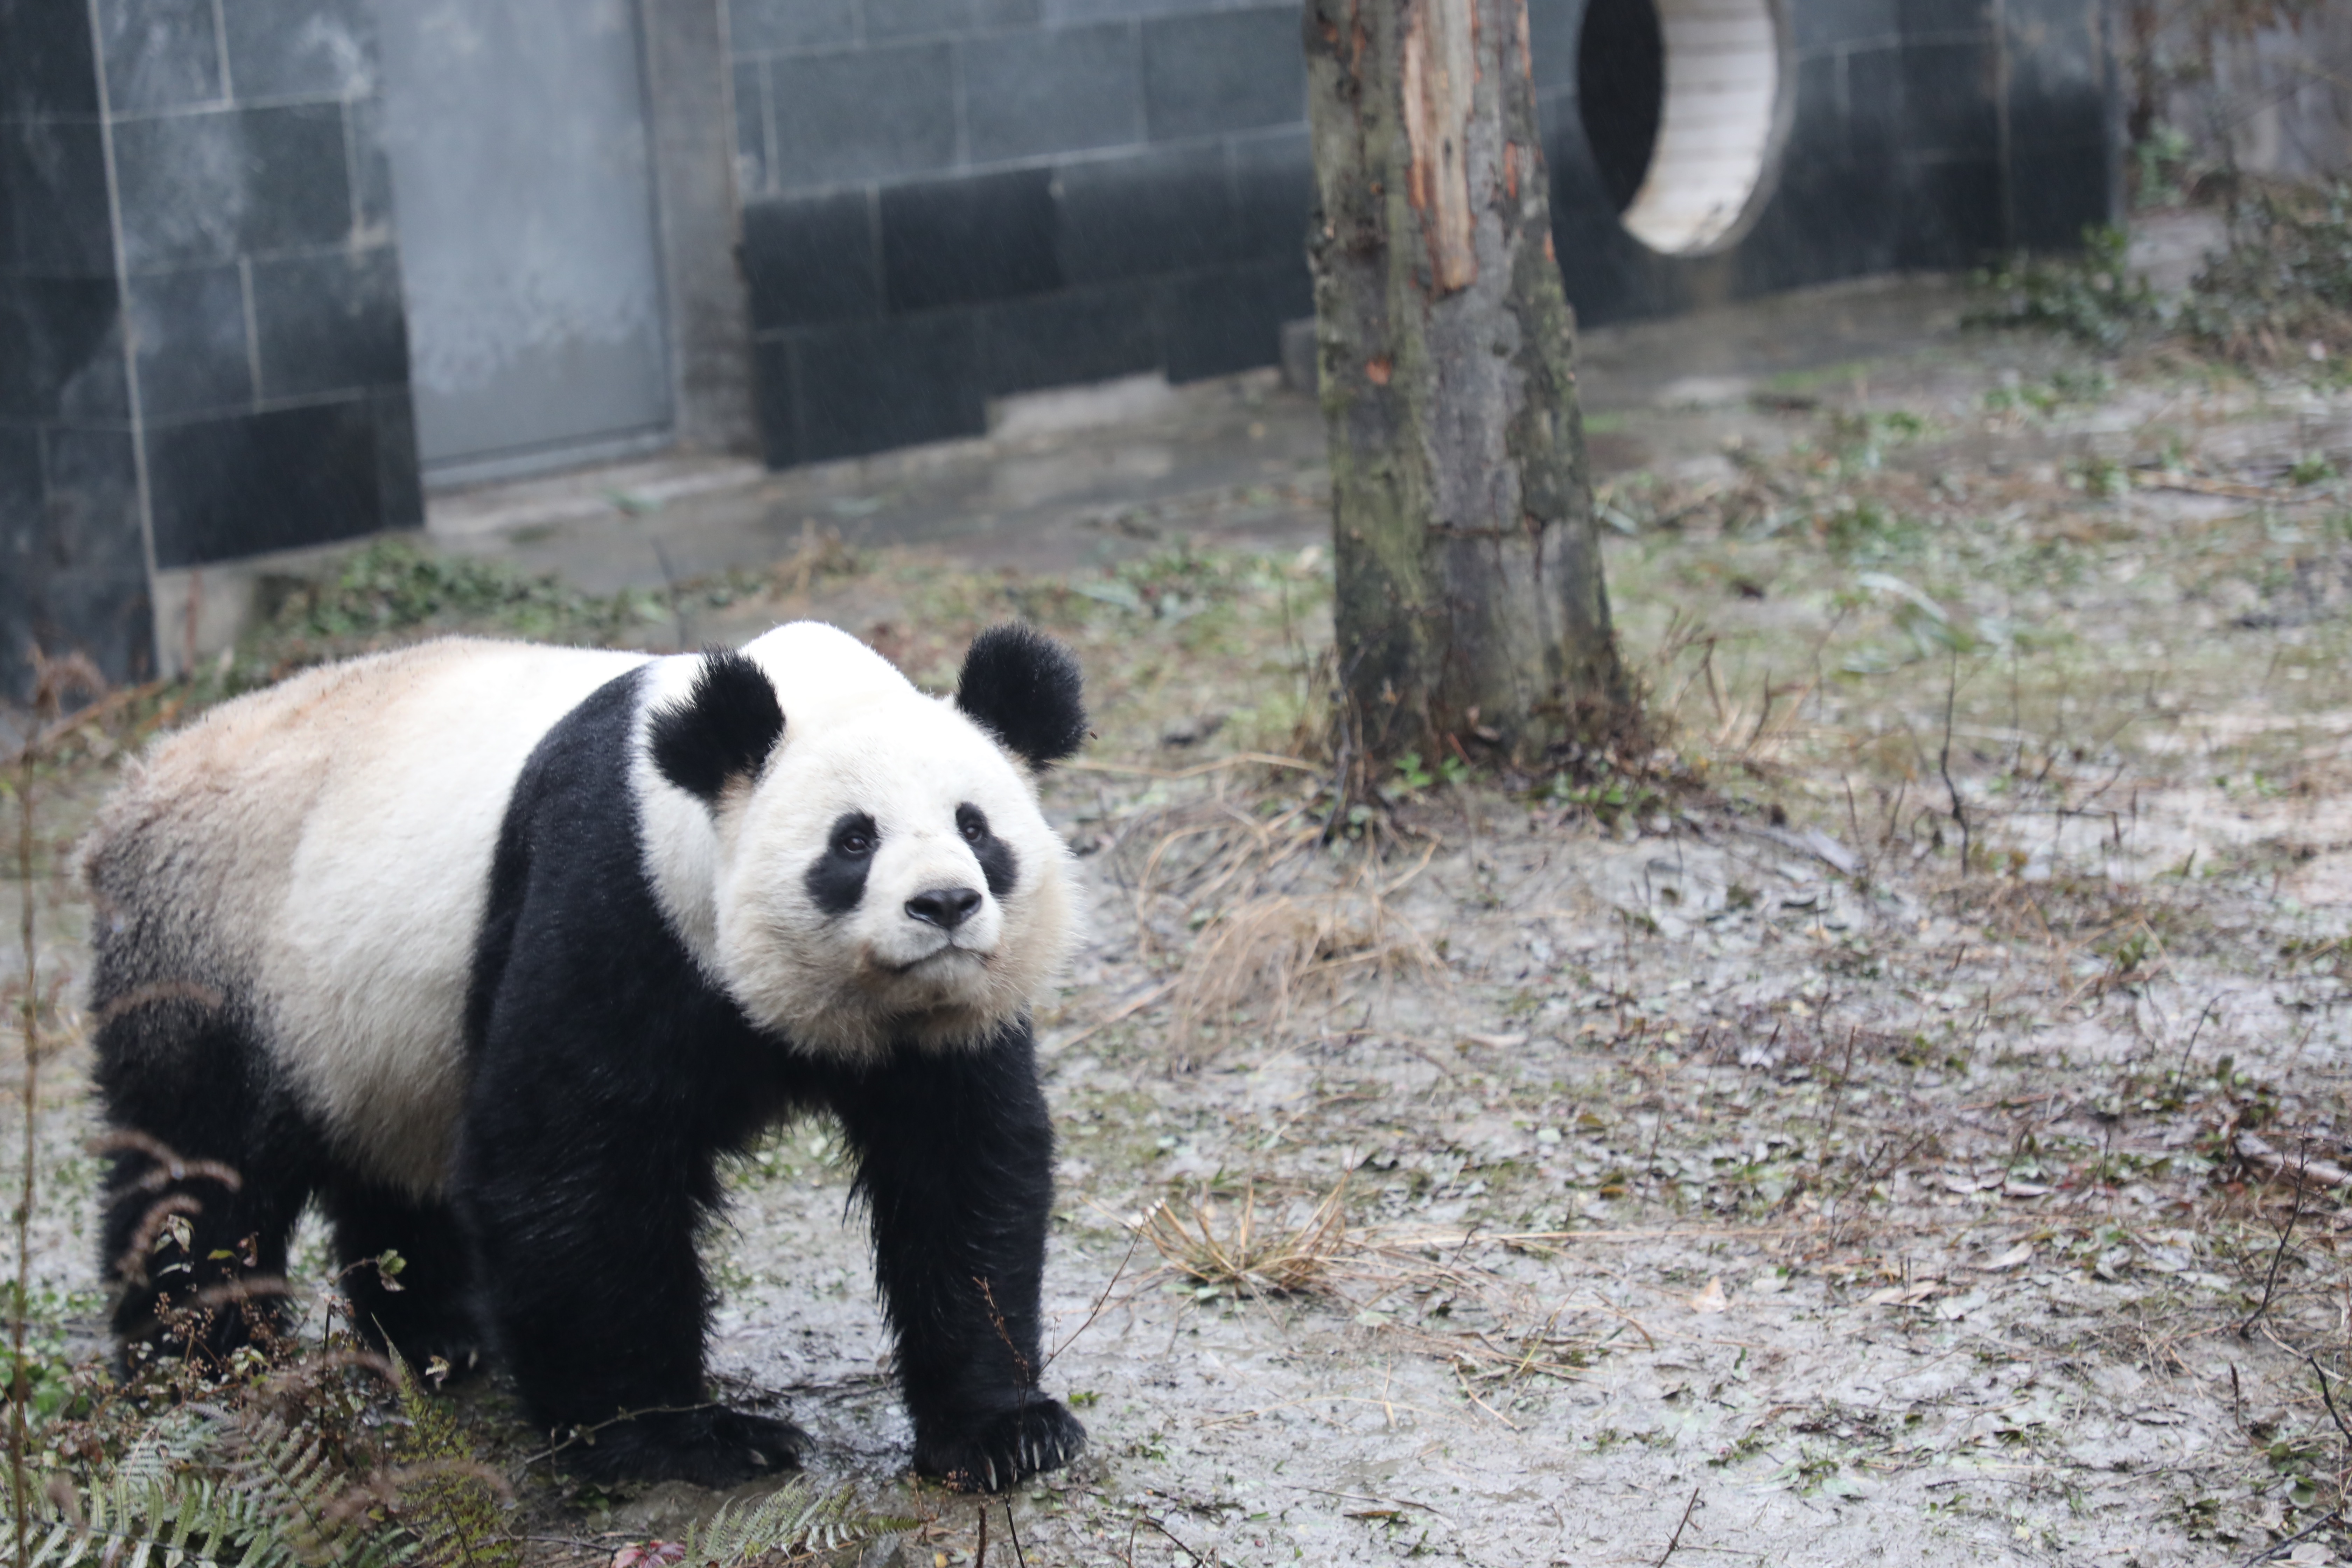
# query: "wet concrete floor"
{"type": "Point", "coordinates": [1074, 478]}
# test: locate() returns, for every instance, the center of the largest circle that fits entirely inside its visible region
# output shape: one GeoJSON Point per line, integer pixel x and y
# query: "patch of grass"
{"type": "Point", "coordinates": [2093, 297]}
{"type": "Point", "coordinates": [2280, 293]}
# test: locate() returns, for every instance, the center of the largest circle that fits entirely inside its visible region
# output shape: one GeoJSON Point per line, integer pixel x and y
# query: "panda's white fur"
{"type": "Point", "coordinates": [324, 847]}
{"type": "Point", "coordinates": [858, 737]}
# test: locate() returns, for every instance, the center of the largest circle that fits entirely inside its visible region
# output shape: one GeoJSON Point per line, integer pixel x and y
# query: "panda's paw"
{"type": "Point", "coordinates": [992, 1452]}
{"type": "Point", "coordinates": [715, 1448]}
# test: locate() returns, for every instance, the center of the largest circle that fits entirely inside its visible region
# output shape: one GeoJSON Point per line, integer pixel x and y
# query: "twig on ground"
{"type": "Point", "coordinates": [1019, 1556]}
{"type": "Point", "coordinates": [1944, 763]}
{"type": "Point", "coordinates": [1170, 1535]}
{"type": "Point", "coordinates": [2270, 1285]}
{"type": "Point", "coordinates": [1134, 1240]}
{"type": "Point", "coordinates": [2325, 1394]}
{"type": "Point", "coordinates": [1677, 1539]}
{"type": "Point", "coordinates": [2305, 1533]}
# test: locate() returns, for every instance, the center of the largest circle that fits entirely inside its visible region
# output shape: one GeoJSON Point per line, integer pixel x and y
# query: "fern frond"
{"type": "Point", "coordinates": [793, 1521]}
{"type": "Point", "coordinates": [454, 1517]}
{"type": "Point", "coordinates": [170, 1523]}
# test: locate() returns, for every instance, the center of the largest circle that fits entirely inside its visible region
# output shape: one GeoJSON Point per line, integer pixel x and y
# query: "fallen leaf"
{"type": "Point", "coordinates": [2016, 1254]}
{"type": "Point", "coordinates": [1712, 1298]}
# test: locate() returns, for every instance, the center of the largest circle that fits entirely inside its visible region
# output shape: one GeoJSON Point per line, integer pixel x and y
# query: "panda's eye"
{"type": "Point", "coordinates": [971, 824]}
{"type": "Point", "coordinates": [854, 837]}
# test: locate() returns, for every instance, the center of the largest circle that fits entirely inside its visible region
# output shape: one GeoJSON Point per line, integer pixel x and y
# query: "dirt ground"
{"type": "Point", "coordinates": [1904, 1119]}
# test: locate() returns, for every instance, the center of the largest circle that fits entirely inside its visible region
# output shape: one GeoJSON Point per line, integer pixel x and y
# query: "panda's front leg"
{"type": "Point", "coordinates": [955, 1158]}
{"type": "Point", "coordinates": [582, 1194]}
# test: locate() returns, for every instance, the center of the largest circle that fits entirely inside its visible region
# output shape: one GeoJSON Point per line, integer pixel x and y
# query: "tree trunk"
{"type": "Point", "coordinates": [1471, 611]}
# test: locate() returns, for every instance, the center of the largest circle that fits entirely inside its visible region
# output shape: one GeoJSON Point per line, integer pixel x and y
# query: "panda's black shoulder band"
{"type": "Point", "coordinates": [1026, 688]}
{"type": "Point", "coordinates": [724, 730]}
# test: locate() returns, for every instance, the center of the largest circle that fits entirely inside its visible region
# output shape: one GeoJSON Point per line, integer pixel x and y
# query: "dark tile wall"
{"type": "Point", "coordinates": [261, 279]}
{"type": "Point", "coordinates": [73, 559]}
{"type": "Point", "coordinates": [1924, 134]}
{"type": "Point", "coordinates": [946, 201]}
{"type": "Point", "coordinates": [202, 347]}
{"type": "Point", "coordinates": [950, 200]}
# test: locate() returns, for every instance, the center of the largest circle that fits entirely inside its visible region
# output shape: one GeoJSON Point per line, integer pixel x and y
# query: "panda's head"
{"type": "Point", "coordinates": [878, 870]}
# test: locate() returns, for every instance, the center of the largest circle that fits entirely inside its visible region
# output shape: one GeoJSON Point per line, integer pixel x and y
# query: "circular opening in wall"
{"type": "Point", "coordinates": [1679, 100]}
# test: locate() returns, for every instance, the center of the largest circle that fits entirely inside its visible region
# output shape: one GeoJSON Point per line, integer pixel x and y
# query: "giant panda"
{"type": "Point", "coordinates": [495, 950]}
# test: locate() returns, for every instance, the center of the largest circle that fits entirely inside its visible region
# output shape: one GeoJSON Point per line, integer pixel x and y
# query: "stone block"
{"type": "Point", "coordinates": [192, 354]}
{"type": "Point", "coordinates": [768, 26]}
{"type": "Point", "coordinates": [208, 187]}
{"type": "Point", "coordinates": [2070, 189]}
{"type": "Point", "coordinates": [92, 502]}
{"type": "Point", "coordinates": [1060, 90]}
{"type": "Point", "coordinates": [1220, 323]}
{"type": "Point", "coordinates": [1069, 338]}
{"type": "Point", "coordinates": [1950, 99]}
{"type": "Point", "coordinates": [875, 385]}
{"type": "Point", "coordinates": [61, 349]}
{"type": "Point", "coordinates": [301, 48]}
{"type": "Point", "coordinates": [1160, 211]}
{"type": "Point", "coordinates": [812, 260]}
{"type": "Point", "coordinates": [751, 106]}
{"type": "Point", "coordinates": [246, 483]}
{"type": "Point", "coordinates": [53, 176]}
{"type": "Point", "coordinates": [159, 54]}
{"type": "Point", "coordinates": [46, 65]}
{"type": "Point", "coordinates": [870, 114]}
{"type": "Point", "coordinates": [1273, 193]}
{"type": "Point", "coordinates": [330, 322]}
{"type": "Point", "coordinates": [1226, 71]}
{"type": "Point", "coordinates": [928, 18]}
{"type": "Point", "coordinates": [968, 240]}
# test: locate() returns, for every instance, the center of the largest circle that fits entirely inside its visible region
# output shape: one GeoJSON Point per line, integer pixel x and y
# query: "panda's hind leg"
{"type": "Point", "coordinates": [423, 1307]}
{"type": "Point", "coordinates": [211, 1167]}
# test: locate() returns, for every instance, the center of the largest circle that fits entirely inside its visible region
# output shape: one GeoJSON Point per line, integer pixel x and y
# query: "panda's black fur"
{"type": "Point", "coordinates": [608, 1077]}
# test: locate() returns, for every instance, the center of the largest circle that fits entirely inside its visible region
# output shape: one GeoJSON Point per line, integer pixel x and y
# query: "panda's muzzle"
{"type": "Point", "coordinates": [945, 907]}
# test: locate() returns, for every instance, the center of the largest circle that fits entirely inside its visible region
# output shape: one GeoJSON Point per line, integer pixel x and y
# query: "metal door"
{"type": "Point", "coordinates": [522, 188]}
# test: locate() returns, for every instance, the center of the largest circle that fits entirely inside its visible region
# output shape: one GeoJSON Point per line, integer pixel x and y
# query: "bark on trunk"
{"type": "Point", "coordinates": [1471, 611]}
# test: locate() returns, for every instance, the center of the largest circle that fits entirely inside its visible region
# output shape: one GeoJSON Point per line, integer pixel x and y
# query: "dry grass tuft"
{"type": "Point", "coordinates": [1262, 958]}
{"type": "Point", "coordinates": [1247, 1252]}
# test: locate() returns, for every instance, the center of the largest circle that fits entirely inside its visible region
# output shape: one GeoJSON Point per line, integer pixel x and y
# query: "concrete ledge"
{"type": "Point", "coordinates": [201, 611]}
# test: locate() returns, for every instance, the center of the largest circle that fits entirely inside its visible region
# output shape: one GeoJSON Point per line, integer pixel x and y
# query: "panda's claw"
{"type": "Point", "coordinates": [997, 1451]}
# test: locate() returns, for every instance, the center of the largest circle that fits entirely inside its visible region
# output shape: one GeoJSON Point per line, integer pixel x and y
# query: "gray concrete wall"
{"type": "Point", "coordinates": [2275, 100]}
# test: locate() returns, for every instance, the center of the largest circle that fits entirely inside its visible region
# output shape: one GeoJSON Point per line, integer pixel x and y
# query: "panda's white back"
{"type": "Point", "coordinates": [320, 852]}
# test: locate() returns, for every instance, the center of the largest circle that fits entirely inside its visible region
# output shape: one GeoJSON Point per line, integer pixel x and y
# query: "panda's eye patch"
{"type": "Point", "coordinates": [837, 882]}
{"type": "Point", "coordinates": [855, 836]}
{"type": "Point", "coordinates": [996, 859]}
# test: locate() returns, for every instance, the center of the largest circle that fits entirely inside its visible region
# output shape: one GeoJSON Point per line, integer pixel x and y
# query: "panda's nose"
{"type": "Point", "coordinates": [945, 907]}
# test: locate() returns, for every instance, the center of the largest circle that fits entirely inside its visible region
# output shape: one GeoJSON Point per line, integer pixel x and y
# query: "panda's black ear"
{"type": "Point", "coordinates": [1025, 687]}
{"type": "Point", "coordinates": [724, 730]}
